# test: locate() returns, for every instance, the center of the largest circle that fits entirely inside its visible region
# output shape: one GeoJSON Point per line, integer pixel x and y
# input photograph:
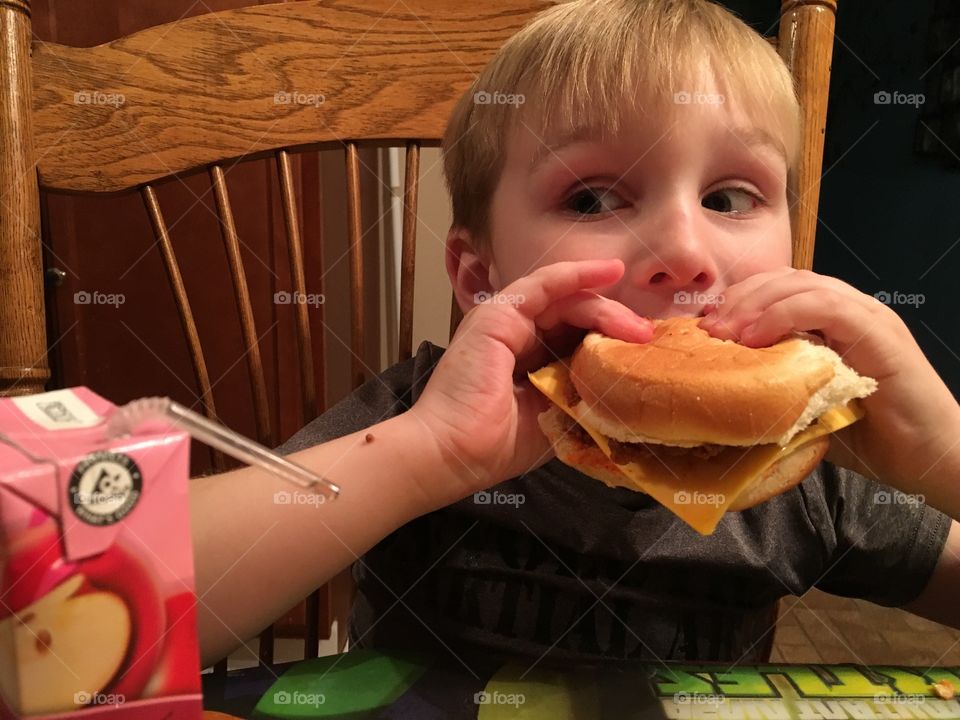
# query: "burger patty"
{"type": "Point", "coordinates": [572, 396]}
{"type": "Point", "coordinates": [576, 431]}
{"type": "Point", "coordinates": [626, 452]}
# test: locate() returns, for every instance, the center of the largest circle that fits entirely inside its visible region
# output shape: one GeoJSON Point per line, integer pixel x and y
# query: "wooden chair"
{"type": "Point", "coordinates": [50, 142]}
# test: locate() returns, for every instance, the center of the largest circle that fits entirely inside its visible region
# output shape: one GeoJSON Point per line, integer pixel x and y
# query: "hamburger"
{"type": "Point", "coordinates": [702, 425]}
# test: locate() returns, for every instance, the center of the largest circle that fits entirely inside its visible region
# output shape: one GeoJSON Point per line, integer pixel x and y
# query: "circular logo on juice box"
{"type": "Point", "coordinates": [104, 487]}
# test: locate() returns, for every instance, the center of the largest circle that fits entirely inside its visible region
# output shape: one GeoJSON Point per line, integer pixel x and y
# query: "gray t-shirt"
{"type": "Point", "coordinates": [555, 566]}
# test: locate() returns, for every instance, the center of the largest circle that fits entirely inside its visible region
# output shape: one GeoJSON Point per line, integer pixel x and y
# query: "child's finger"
{"type": "Point", "coordinates": [590, 311]}
{"type": "Point", "coordinates": [747, 286]}
{"type": "Point", "coordinates": [732, 317]}
{"type": "Point", "coordinates": [513, 321]}
{"type": "Point", "coordinates": [825, 310]}
{"type": "Point", "coordinates": [549, 283]}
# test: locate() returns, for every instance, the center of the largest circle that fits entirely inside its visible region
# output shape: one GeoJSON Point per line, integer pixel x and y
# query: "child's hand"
{"type": "Point", "coordinates": [479, 404]}
{"type": "Point", "coordinates": [908, 419]}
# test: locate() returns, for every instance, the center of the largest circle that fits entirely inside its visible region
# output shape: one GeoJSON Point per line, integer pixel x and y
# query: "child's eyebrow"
{"type": "Point", "coordinates": [750, 136]}
{"type": "Point", "coordinates": [568, 138]}
{"type": "Point", "coordinates": [758, 137]}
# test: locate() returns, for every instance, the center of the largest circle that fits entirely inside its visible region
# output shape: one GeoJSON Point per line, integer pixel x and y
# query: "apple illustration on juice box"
{"type": "Point", "coordinates": [97, 604]}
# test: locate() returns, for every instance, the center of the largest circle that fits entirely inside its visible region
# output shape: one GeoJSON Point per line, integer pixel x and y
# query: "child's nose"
{"type": "Point", "coordinates": [675, 252]}
{"type": "Point", "coordinates": [673, 271]}
{"type": "Point", "coordinates": [663, 277]}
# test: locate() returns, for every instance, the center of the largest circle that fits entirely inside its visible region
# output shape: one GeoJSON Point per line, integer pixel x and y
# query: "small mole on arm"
{"type": "Point", "coordinates": [368, 438]}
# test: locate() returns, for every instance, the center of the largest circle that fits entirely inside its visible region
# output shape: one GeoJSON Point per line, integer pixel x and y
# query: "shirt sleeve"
{"type": "Point", "coordinates": [381, 397]}
{"type": "Point", "coordinates": [881, 544]}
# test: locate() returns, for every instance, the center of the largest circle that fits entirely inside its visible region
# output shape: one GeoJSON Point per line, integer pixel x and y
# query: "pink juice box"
{"type": "Point", "coordinates": [97, 602]}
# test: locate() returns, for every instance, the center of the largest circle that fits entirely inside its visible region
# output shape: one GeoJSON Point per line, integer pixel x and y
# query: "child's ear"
{"type": "Point", "coordinates": [469, 272]}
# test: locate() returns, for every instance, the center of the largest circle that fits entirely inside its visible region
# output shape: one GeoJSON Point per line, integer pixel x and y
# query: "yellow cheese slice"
{"type": "Point", "coordinates": [698, 492]}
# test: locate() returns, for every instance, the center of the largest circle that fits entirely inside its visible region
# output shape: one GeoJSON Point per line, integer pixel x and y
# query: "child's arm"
{"type": "Point", "coordinates": [910, 437]}
{"type": "Point", "coordinates": [256, 557]}
{"type": "Point", "coordinates": [938, 600]}
{"type": "Point", "coordinates": [474, 425]}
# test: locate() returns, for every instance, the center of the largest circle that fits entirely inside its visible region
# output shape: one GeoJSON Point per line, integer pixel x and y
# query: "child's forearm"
{"type": "Point", "coordinates": [936, 470]}
{"type": "Point", "coordinates": [945, 469]}
{"type": "Point", "coordinates": [257, 555]}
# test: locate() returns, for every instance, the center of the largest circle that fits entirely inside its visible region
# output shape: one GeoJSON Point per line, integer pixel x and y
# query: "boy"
{"type": "Point", "coordinates": [648, 158]}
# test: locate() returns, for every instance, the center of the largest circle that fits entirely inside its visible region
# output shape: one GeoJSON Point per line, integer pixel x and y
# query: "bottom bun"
{"type": "Point", "coordinates": [578, 450]}
{"type": "Point", "coordinates": [575, 448]}
{"type": "Point", "coordinates": [783, 474]}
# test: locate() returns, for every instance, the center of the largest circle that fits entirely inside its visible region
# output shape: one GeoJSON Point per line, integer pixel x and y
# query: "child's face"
{"type": "Point", "coordinates": [676, 200]}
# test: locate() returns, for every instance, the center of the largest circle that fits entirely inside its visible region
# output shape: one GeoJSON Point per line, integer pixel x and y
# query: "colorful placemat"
{"type": "Point", "coordinates": [369, 685]}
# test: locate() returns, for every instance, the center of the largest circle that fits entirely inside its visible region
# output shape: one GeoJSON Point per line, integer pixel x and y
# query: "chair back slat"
{"type": "Point", "coordinates": [408, 252]}
{"type": "Point", "coordinates": [251, 343]}
{"type": "Point", "coordinates": [265, 647]}
{"type": "Point", "coordinates": [355, 240]}
{"type": "Point", "coordinates": [308, 393]}
{"type": "Point", "coordinates": [200, 374]}
{"type": "Point", "coordinates": [311, 636]}
{"type": "Point", "coordinates": [806, 46]}
{"type": "Point", "coordinates": [456, 315]}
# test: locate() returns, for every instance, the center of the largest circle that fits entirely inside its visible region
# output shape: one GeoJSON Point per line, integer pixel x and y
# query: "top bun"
{"type": "Point", "coordinates": [687, 388]}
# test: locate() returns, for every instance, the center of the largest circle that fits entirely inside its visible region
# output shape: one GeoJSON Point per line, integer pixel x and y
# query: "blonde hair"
{"type": "Point", "coordinates": [588, 64]}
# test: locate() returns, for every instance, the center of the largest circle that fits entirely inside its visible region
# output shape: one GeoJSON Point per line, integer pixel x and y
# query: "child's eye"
{"type": "Point", "coordinates": [592, 201]}
{"type": "Point", "coordinates": [732, 200]}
